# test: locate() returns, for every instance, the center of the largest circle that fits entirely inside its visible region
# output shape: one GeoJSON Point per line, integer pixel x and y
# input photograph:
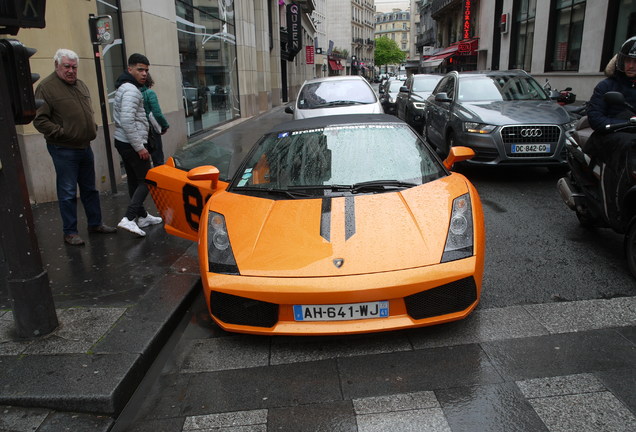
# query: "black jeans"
{"type": "Point", "coordinates": [136, 170]}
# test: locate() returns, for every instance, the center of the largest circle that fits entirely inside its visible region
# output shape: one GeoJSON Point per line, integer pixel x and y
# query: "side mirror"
{"type": "Point", "coordinates": [442, 97]}
{"type": "Point", "coordinates": [205, 172]}
{"type": "Point", "coordinates": [404, 89]}
{"type": "Point", "coordinates": [614, 98]}
{"type": "Point", "coordinates": [458, 154]}
{"type": "Point", "coordinates": [289, 109]}
{"type": "Point", "coordinates": [381, 90]}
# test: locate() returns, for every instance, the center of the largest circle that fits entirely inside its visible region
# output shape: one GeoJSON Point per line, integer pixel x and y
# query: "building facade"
{"type": "Point", "coordinates": [212, 61]}
{"type": "Point", "coordinates": [350, 42]}
{"type": "Point", "coordinates": [395, 25]}
{"type": "Point", "coordinates": [568, 42]}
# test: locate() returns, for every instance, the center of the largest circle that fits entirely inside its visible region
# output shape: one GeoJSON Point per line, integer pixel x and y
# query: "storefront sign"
{"type": "Point", "coordinates": [294, 44]}
{"type": "Point", "coordinates": [309, 54]}
{"type": "Point", "coordinates": [466, 20]}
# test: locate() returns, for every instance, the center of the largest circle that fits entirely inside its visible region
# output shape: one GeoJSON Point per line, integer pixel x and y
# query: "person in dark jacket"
{"type": "Point", "coordinates": [131, 136]}
{"type": "Point", "coordinates": [611, 147]}
{"type": "Point", "coordinates": [158, 123]}
{"type": "Point", "coordinates": [67, 123]}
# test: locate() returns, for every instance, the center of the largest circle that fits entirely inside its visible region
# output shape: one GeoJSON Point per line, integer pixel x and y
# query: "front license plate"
{"type": "Point", "coordinates": [530, 148]}
{"type": "Point", "coordinates": [341, 312]}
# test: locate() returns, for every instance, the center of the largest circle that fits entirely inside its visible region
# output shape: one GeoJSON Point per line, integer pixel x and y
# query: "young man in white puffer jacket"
{"type": "Point", "coordinates": [131, 135]}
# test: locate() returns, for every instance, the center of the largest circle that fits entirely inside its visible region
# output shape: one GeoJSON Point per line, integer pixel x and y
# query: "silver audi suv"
{"type": "Point", "coordinates": [506, 117]}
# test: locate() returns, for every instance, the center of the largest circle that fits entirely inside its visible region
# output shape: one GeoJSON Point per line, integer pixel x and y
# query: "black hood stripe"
{"type": "Point", "coordinates": [350, 217]}
{"type": "Point", "coordinates": [325, 219]}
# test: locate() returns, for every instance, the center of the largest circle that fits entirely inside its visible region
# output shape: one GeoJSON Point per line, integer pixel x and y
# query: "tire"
{"type": "Point", "coordinates": [585, 219]}
{"type": "Point", "coordinates": [630, 247]}
{"type": "Point", "coordinates": [560, 170]}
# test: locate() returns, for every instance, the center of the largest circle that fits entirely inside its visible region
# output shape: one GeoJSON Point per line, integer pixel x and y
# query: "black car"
{"type": "Point", "coordinates": [410, 100]}
{"type": "Point", "coordinates": [388, 94]}
{"type": "Point", "coordinates": [506, 117]}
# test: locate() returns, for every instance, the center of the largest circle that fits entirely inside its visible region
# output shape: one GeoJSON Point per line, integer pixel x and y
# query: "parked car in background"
{"type": "Point", "coordinates": [388, 93]}
{"type": "Point", "coordinates": [195, 101]}
{"type": "Point", "coordinates": [345, 94]}
{"type": "Point", "coordinates": [326, 229]}
{"type": "Point", "coordinates": [412, 96]}
{"type": "Point", "coordinates": [190, 101]}
{"type": "Point", "coordinates": [504, 116]}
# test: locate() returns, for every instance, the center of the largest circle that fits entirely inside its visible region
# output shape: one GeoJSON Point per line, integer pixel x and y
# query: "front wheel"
{"type": "Point", "coordinates": [585, 218]}
{"type": "Point", "coordinates": [630, 247]}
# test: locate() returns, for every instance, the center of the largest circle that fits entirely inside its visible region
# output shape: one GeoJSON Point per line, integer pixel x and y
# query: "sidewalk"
{"type": "Point", "coordinates": [118, 299]}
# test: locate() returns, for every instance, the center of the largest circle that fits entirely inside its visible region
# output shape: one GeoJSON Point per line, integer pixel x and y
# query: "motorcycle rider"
{"type": "Point", "coordinates": [611, 147]}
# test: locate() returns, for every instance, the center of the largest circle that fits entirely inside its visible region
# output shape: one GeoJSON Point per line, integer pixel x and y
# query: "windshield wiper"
{"type": "Point", "coordinates": [338, 103]}
{"type": "Point", "coordinates": [381, 185]}
{"type": "Point", "coordinates": [373, 185]}
{"type": "Point", "coordinates": [286, 192]}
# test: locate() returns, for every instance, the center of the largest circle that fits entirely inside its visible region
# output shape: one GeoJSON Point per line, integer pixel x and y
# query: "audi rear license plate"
{"type": "Point", "coordinates": [530, 148]}
{"type": "Point", "coordinates": [341, 312]}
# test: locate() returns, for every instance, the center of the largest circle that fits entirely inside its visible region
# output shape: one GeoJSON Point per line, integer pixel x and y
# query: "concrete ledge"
{"type": "Point", "coordinates": [103, 379]}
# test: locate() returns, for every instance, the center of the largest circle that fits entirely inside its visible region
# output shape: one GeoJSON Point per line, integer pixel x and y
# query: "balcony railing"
{"type": "Point", "coordinates": [439, 5]}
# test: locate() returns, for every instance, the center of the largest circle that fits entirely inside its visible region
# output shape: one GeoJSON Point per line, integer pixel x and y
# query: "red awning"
{"type": "Point", "coordinates": [440, 56]}
{"type": "Point", "coordinates": [436, 60]}
{"type": "Point", "coordinates": [450, 51]}
{"type": "Point", "coordinates": [335, 65]}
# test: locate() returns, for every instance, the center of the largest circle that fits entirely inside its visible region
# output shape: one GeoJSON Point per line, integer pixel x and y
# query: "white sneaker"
{"type": "Point", "coordinates": [148, 220]}
{"type": "Point", "coordinates": [131, 226]}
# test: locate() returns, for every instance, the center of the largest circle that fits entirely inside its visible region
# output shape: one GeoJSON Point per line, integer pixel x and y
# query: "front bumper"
{"type": "Point", "coordinates": [493, 149]}
{"type": "Point", "coordinates": [417, 297]}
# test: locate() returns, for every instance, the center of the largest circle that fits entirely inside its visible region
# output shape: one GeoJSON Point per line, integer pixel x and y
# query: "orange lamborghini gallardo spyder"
{"type": "Point", "coordinates": [331, 225]}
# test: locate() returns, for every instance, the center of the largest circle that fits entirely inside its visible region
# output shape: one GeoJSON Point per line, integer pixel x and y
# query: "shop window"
{"type": "Point", "coordinates": [524, 12]}
{"type": "Point", "coordinates": [620, 26]}
{"type": "Point", "coordinates": [207, 53]}
{"type": "Point", "coordinates": [566, 33]}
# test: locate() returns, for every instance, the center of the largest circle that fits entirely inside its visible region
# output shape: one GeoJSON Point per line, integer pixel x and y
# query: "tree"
{"type": "Point", "coordinates": [388, 52]}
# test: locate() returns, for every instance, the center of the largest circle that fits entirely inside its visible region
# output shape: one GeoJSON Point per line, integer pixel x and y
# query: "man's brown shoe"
{"type": "Point", "coordinates": [73, 239]}
{"type": "Point", "coordinates": [103, 229]}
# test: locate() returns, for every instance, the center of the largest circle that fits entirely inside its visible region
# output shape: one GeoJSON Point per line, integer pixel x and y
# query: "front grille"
{"type": "Point", "coordinates": [452, 297]}
{"type": "Point", "coordinates": [530, 134]}
{"type": "Point", "coordinates": [237, 310]}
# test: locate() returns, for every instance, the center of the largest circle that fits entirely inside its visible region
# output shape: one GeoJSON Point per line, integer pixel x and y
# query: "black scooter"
{"type": "Point", "coordinates": [581, 189]}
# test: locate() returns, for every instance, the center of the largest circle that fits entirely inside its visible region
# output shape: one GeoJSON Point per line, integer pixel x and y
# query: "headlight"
{"type": "Point", "coordinates": [391, 99]}
{"type": "Point", "coordinates": [479, 128]}
{"type": "Point", "coordinates": [220, 255]}
{"type": "Point", "coordinates": [418, 105]}
{"type": "Point", "coordinates": [459, 242]}
{"type": "Point", "coordinates": [570, 126]}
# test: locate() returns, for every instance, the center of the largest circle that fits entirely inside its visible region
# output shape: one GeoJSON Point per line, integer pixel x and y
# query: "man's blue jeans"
{"type": "Point", "coordinates": [75, 167]}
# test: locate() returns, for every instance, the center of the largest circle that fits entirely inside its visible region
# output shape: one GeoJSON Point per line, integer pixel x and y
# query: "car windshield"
{"type": "Point", "coordinates": [499, 88]}
{"type": "Point", "coordinates": [425, 84]}
{"type": "Point", "coordinates": [325, 94]}
{"type": "Point", "coordinates": [337, 160]}
{"type": "Point", "coordinates": [394, 86]}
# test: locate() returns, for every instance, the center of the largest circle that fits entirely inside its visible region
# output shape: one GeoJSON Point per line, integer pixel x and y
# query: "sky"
{"type": "Point", "coordinates": [388, 5]}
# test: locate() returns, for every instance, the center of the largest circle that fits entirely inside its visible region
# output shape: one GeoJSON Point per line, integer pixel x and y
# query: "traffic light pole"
{"type": "Point", "coordinates": [102, 105]}
{"type": "Point", "coordinates": [28, 282]}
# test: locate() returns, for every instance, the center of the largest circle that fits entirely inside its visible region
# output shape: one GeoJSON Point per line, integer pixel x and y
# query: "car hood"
{"type": "Point", "coordinates": [369, 233]}
{"type": "Point", "coordinates": [369, 108]}
{"type": "Point", "coordinates": [513, 112]}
